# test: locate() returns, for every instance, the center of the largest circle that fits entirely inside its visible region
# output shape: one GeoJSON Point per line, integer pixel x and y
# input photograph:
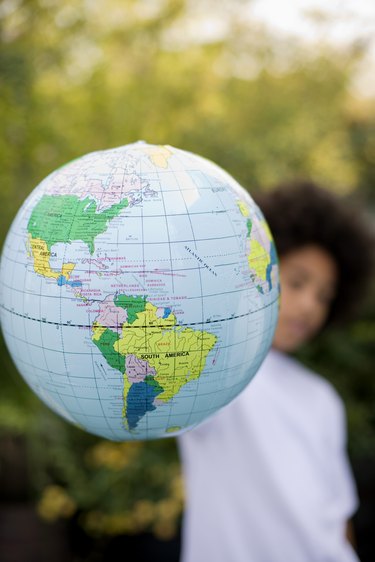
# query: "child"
{"type": "Point", "coordinates": [268, 477]}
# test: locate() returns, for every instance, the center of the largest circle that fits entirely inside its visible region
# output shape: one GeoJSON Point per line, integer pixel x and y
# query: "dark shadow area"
{"type": "Point", "coordinates": [364, 520]}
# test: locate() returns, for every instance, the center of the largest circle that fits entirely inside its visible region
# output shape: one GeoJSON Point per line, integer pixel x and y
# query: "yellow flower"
{"type": "Point", "coordinates": [114, 456]}
{"type": "Point", "coordinates": [177, 488]}
{"type": "Point", "coordinates": [99, 523]}
{"type": "Point", "coordinates": [55, 503]}
{"type": "Point", "coordinates": [164, 530]}
{"type": "Point", "coordinates": [167, 509]}
{"type": "Point", "coordinates": [143, 513]}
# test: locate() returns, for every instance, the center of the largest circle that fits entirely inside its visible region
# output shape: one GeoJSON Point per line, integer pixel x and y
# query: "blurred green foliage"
{"type": "Point", "coordinates": [86, 75]}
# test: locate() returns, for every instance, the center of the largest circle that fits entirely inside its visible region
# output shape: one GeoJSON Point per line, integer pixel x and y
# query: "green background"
{"type": "Point", "coordinates": [82, 76]}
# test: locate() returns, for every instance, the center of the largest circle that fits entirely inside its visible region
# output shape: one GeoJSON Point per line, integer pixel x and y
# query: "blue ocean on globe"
{"type": "Point", "coordinates": [139, 291]}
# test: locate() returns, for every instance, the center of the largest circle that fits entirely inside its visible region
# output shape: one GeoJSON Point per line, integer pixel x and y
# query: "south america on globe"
{"type": "Point", "coordinates": [139, 291]}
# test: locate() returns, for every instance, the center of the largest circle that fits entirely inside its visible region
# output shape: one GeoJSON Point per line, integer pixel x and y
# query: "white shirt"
{"type": "Point", "coordinates": [267, 477]}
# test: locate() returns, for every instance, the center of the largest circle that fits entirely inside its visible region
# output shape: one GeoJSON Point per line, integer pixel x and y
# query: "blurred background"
{"type": "Point", "coordinates": [268, 90]}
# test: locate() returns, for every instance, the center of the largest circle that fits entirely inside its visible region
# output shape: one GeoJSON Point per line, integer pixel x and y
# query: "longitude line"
{"type": "Point", "coordinates": [201, 296]}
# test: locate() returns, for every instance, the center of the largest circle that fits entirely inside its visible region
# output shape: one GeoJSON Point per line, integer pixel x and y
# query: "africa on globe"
{"type": "Point", "coordinates": [138, 291]}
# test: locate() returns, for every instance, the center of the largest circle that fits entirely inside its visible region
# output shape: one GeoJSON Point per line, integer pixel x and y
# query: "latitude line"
{"type": "Point", "coordinates": [234, 317]}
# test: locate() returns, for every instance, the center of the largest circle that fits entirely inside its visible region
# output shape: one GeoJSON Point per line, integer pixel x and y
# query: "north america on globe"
{"type": "Point", "coordinates": [138, 290]}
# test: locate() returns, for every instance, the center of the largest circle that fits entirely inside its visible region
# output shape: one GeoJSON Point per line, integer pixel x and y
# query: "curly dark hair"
{"type": "Point", "coordinates": [301, 213]}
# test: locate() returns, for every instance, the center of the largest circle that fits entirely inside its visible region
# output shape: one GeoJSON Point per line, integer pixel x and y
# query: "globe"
{"type": "Point", "coordinates": [139, 291]}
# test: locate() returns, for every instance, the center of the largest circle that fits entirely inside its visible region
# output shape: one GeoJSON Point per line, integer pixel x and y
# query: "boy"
{"type": "Point", "coordinates": [268, 478]}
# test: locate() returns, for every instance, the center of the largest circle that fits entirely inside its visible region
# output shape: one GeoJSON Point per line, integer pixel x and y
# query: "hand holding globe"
{"type": "Point", "coordinates": [139, 291]}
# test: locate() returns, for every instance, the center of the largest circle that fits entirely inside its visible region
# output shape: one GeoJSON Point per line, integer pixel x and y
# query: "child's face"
{"type": "Point", "coordinates": [308, 280]}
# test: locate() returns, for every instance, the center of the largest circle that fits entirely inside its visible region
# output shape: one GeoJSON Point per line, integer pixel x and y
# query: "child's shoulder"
{"type": "Point", "coordinates": [312, 385]}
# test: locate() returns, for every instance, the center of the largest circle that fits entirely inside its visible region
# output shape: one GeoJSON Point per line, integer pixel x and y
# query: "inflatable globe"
{"type": "Point", "coordinates": [139, 291]}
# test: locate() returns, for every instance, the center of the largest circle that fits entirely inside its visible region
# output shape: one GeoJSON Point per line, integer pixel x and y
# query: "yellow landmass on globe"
{"type": "Point", "coordinates": [98, 331]}
{"type": "Point", "coordinates": [173, 428]}
{"type": "Point", "coordinates": [42, 255]}
{"type": "Point", "coordinates": [259, 259]}
{"type": "Point", "coordinates": [79, 295]}
{"type": "Point", "coordinates": [159, 155]}
{"type": "Point", "coordinates": [127, 387]}
{"type": "Point", "coordinates": [267, 230]}
{"type": "Point", "coordinates": [243, 208]}
{"type": "Point", "coordinates": [177, 355]}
